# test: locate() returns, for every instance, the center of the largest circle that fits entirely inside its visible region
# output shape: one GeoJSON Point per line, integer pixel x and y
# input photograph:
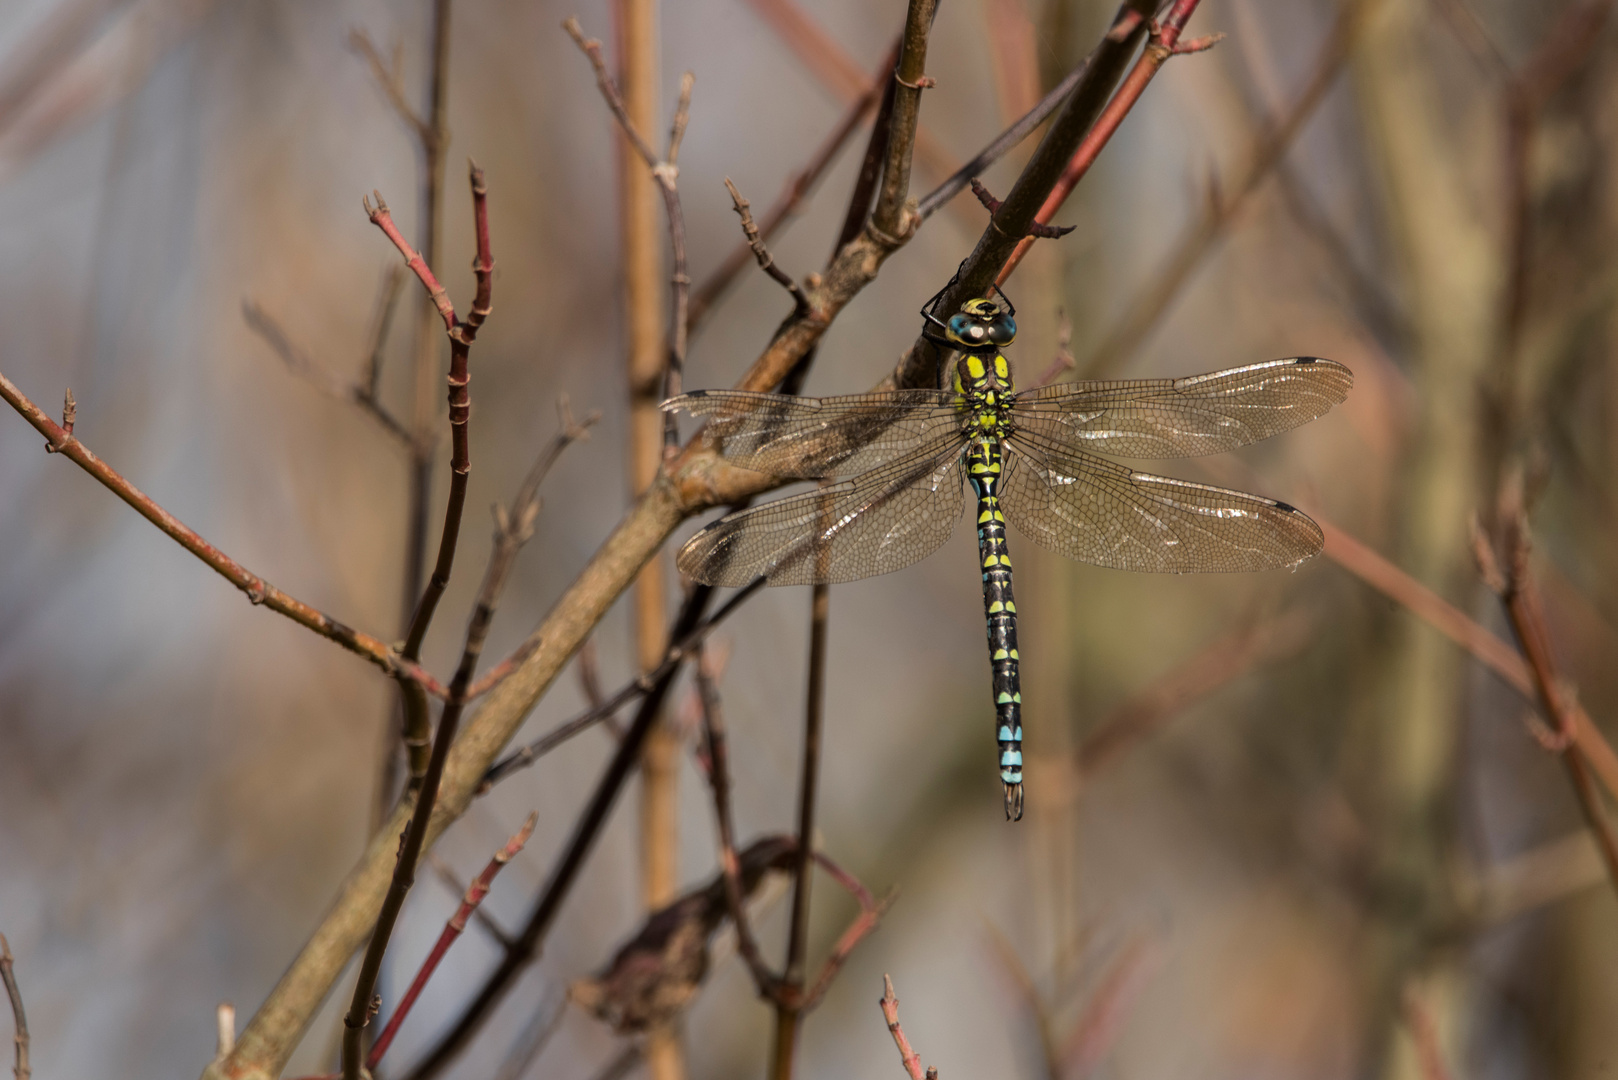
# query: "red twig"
{"type": "Point", "coordinates": [259, 591]}
{"type": "Point", "coordinates": [890, 1013]}
{"type": "Point", "coordinates": [382, 218]}
{"type": "Point", "coordinates": [453, 929]}
{"type": "Point", "coordinates": [1163, 43]}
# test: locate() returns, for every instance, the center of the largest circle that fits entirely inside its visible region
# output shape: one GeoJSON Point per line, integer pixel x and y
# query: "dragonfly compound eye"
{"type": "Point", "coordinates": [1003, 330]}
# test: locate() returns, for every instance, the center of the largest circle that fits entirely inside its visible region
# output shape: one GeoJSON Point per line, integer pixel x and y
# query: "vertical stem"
{"type": "Point", "coordinates": [788, 1016]}
{"type": "Point", "coordinates": [644, 287]}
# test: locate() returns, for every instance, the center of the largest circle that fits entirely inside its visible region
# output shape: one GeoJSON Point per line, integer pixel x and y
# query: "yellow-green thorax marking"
{"type": "Point", "coordinates": [983, 383]}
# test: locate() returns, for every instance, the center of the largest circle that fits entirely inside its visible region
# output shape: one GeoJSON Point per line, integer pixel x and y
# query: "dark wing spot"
{"type": "Point", "coordinates": [1285, 507]}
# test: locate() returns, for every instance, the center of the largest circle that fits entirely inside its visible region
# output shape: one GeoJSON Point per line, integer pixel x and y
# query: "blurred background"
{"type": "Point", "coordinates": [1278, 826]}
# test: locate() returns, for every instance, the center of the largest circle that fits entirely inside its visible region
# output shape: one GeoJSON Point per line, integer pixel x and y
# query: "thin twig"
{"type": "Point", "coordinates": [891, 216]}
{"type": "Point", "coordinates": [514, 530]}
{"type": "Point", "coordinates": [258, 590]}
{"type": "Point", "coordinates": [391, 79]}
{"type": "Point", "coordinates": [1424, 1033]}
{"type": "Point", "coordinates": [19, 1018]}
{"type": "Point", "coordinates": [890, 1013]}
{"type": "Point", "coordinates": [797, 188]}
{"type": "Point", "coordinates": [451, 881]}
{"type": "Point", "coordinates": [453, 929]}
{"type": "Point", "coordinates": [788, 1013]}
{"type": "Point", "coordinates": [713, 725]}
{"type": "Point", "coordinates": [225, 1029]}
{"type": "Point", "coordinates": [766, 262]}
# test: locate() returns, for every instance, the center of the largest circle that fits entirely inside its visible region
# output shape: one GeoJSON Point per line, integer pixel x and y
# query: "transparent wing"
{"type": "Point", "coordinates": [1200, 414]}
{"type": "Point", "coordinates": [881, 521]}
{"type": "Point", "coordinates": [813, 437]}
{"type": "Point", "coordinates": [1100, 512]}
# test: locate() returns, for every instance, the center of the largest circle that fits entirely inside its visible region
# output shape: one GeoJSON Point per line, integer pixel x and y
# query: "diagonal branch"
{"type": "Point", "coordinates": [60, 440]}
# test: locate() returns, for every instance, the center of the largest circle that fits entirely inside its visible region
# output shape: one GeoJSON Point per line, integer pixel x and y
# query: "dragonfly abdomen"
{"type": "Point", "coordinates": [1000, 610]}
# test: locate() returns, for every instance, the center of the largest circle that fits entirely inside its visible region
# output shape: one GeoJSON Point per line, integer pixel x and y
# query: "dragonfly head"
{"type": "Point", "coordinates": [981, 326]}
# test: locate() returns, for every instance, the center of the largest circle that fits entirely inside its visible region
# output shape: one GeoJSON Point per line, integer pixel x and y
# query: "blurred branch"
{"type": "Point", "coordinates": [59, 440]}
{"type": "Point", "coordinates": [1224, 201]}
{"type": "Point", "coordinates": [18, 1017]}
{"type": "Point", "coordinates": [390, 77]}
{"type": "Point", "coordinates": [1424, 1033]}
{"type": "Point", "coordinates": [361, 395]}
{"type": "Point", "coordinates": [1225, 660]}
{"type": "Point", "coordinates": [1448, 620]}
{"type": "Point", "coordinates": [453, 929]}
{"type": "Point", "coordinates": [1003, 144]}
{"type": "Point", "coordinates": [1515, 588]}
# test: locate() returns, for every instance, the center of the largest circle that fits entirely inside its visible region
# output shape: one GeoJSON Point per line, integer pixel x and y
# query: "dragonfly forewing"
{"type": "Point", "coordinates": [1189, 417]}
{"type": "Point", "coordinates": [809, 438]}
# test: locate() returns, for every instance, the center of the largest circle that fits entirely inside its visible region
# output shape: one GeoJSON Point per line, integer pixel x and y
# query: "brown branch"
{"type": "Point", "coordinates": [453, 929]}
{"type": "Point", "coordinates": [1267, 151]}
{"type": "Point", "coordinates": [565, 872]}
{"type": "Point", "coordinates": [788, 1010]}
{"type": "Point", "coordinates": [871, 912]}
{"type": "Point", "coordinates": [19, 1018]}
{"type": "Point", "coordinates": [891, 217]}
{"type": "Point", "coordinates": [755, 244]}
{"type": "Point", "coordinates": [258, 590]}
{"type": "Point", "coordinates": [890, 1013]}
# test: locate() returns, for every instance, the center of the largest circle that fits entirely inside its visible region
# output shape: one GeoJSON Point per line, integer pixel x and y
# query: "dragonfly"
{"type": "Point", "coordinates": [894, 466]}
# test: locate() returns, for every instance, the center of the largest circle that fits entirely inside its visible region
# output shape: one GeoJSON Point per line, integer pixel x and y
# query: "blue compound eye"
{"type": "Point", "coordinates": [1003, 330]}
